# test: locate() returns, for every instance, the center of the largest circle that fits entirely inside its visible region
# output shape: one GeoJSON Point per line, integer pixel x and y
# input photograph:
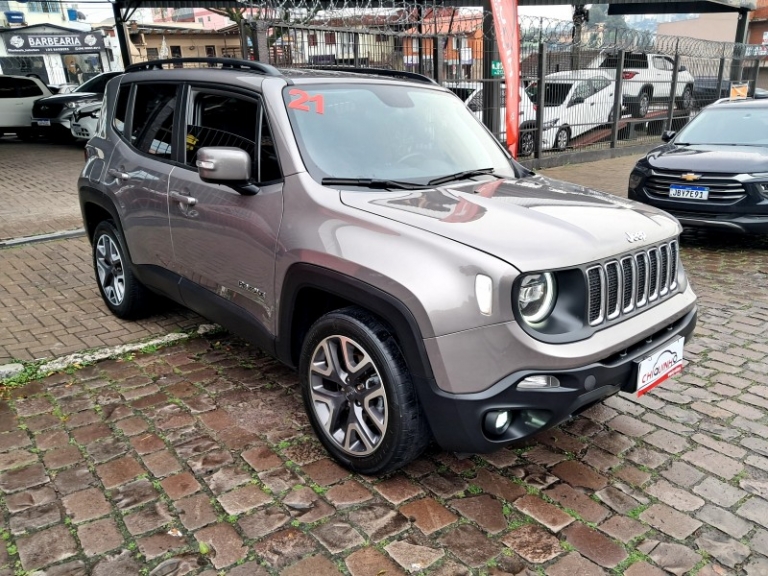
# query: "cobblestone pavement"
{"type": "Point", "coordinates": [50, 305]}
{"type": "Point", "coordinates": [38, 188]}
{"type": "Point", "coordinates": [198, 459]}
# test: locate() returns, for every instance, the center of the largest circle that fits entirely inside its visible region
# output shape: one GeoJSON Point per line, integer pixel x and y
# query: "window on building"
{"type": "Point", "coordinates": [381, 37]}
{"type": "Point", "coordinates": [312, 40]}
{"type": "Point", "coordinates": [152, 127]}
{"type": "Point", "coordinates": [43, 7]}
{"type": "Point", "coordinates": [153, 54]}
{"type": "Point", "coordinates": [176, 53]}
{"type": "Point", "coordinates": [330, 38]}
{"type": "Point", "coordinates": [210, 51]}
{"type": "Point", "coordinates": [231, 52]}
{"type": "Point", "coordinates": [415, 45]}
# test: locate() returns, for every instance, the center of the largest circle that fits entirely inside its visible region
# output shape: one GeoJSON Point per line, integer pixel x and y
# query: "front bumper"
{"type": "Point", "coordinates": [456, 420]}
{"type": "Point", "coordinates": [58, 123]}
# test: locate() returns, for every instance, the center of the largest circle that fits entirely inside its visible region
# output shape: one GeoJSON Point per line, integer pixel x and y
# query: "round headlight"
{"type": "Point", "coordinates": [536, 298]}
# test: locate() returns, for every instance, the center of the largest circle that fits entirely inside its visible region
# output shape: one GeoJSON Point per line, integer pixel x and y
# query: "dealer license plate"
{"type": "Point", "coordinates": [663, 363]}
{"type": "Point", "coordinates": [43, 122]}
{"type": "Point", "coordinates": [689, 192]}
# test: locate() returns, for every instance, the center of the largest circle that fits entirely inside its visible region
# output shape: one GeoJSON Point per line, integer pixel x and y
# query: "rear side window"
{"type": "Point", "coordinates": [153, 115]}
{"type": "Point", "coordinates": [121, 108]}
{"type": "Point", "coordinates": [7, 87]}
{"type": "Point", "coordinates": [29, 89]}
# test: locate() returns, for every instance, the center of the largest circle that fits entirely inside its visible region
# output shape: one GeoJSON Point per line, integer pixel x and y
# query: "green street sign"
{"type": "Point", "coordinates": [496, 69]}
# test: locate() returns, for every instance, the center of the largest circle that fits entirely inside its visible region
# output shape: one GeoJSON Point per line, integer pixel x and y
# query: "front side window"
{"type": "Point", "coordinates": [223, 120]}
{"type": "Point", "coordinates": [555, 93]}
{"type": "Point", "coordinates": [389, 132]}
{"type": "Point", "coordinates": [153, 114]}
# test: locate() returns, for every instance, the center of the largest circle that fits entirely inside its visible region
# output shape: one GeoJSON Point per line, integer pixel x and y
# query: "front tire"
{"type": "Point", "coordinates": [358, 393]}
{"type": "Point", "coordinates": [122, 292]}
{"type": "Point", "coordinates": [527, 144]}
{"type": "Point", "coordinates": [562, 138]}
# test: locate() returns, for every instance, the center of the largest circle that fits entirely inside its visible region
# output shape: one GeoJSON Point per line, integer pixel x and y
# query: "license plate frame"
{"type": "Point", "coordinates": [663, 363]}
{"type": "Point", "coordinates": [683, 192]}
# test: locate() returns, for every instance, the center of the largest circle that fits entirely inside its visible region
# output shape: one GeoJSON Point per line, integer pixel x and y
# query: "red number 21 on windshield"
{"type": "Point", "coordinates": [302, 100]}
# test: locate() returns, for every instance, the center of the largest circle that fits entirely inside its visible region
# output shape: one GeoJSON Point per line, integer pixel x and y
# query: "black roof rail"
{"type": "Point", "coordinates": [226, 63]}
{"type": "Point", "coordinates": [377, 72]}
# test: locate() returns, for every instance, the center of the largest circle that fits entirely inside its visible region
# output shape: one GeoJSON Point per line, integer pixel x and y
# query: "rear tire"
{"type": "Point", "coordinates": [527, 144]}
{"type": "Point", "coordinates": [640, 108]}
{"type": "Point", "coordinates": [121, 291]}
{"type": "Point", "coordinates": [685, 102]}
{"type": "Point", "coordinates": [358, 393]}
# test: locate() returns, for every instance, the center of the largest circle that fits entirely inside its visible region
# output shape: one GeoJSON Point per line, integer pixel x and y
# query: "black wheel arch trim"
{"type": "Point", "coordinates": [388, 308]}
{"type": "Point", "coordinates": [90, 195]}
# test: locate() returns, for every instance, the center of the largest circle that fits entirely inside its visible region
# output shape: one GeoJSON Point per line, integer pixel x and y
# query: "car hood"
{"type": "Point", "coordinates": [710, 158]}
{"type": "Point", "coordinates": [534, 223]}
{"type": "Point", "coordinates": [71, 97]}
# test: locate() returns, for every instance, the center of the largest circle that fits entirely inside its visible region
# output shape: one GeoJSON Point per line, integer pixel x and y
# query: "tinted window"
{"type": "Point", "coordinates": [630, 61]}
{"type": "Point", "coordinates": [222, 121]}
{"type": "Point", "coordinates": [554, 93]}
{"type": "Point", "coordinates": [7, 87]}
{"type": "Point", "coordinates": [28, 89]}
{"type": "Point", "coordinates": [121, 108]}
{"type": "Point", "coordinates": [153, 111]}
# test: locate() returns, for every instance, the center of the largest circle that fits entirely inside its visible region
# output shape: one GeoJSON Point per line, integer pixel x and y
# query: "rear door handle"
{"type": "Point", "coordinates": [183, 198]}
{"type": "Point", "coordinates": [118, 174]}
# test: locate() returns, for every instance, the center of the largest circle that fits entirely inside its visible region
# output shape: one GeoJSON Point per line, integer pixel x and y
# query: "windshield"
{"type": "Point", "coordinates": [735, 125]}
{"type": "Point", "coordinates": [388, 132]}
{"type": "Point", "coordinates": [555, 93]}
{"type": "Point", "coordinates": [97, 84]}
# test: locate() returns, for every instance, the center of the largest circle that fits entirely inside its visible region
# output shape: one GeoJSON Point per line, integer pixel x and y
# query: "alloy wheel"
{"type": "Point", "coordinates": [109, 266]}
{"type": "Point", "coordinates": [348, 396]}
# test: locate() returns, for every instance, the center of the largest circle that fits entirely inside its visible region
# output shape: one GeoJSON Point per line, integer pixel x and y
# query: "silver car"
{"type": "Point", "coordinates": [366, 229]}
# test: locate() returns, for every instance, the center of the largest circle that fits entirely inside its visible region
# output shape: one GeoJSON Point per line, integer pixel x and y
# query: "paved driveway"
{"type": "Point", "coordinates": [198, 459]}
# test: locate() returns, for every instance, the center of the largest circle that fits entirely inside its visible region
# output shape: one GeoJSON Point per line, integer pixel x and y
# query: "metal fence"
{"type": "Point", "coordinates": [586, 87]}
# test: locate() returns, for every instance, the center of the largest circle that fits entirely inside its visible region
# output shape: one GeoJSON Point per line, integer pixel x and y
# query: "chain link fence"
{"type": "Point", "coordinates": [582, 88]}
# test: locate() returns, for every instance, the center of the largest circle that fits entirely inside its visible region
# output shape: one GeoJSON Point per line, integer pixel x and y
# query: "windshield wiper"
{"type": "Point", "coordinates": [372, 183]}
{"type": "Point", "coordinates": [460, 176]}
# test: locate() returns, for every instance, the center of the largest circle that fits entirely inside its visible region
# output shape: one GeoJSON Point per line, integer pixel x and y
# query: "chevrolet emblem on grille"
{"type": "Point", "coordinates": [690, 177]}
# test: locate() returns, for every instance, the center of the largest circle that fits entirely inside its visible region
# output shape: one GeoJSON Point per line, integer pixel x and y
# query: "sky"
{"type": "Point", "coordinates": [101, 11]}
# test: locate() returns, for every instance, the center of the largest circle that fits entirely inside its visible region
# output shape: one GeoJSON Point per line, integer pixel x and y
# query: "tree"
{"type": "Point", "coordinates": [598, 13]}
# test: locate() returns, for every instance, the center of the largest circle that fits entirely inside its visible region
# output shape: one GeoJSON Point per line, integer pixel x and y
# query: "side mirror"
{"type": "Point", "coordinates": [224, 165]}
{"type": "Point", "coordinates": [667, 135]}
{"type": "Point", "coordinates": [682, 69]}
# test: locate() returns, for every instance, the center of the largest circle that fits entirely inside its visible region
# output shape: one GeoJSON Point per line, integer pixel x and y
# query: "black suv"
{"type": "Point", "coordinates": [714, 172]}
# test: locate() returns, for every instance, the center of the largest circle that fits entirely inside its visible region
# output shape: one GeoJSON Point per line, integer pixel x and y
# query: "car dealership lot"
{"type": "Point", "coordinates": [129, 464]}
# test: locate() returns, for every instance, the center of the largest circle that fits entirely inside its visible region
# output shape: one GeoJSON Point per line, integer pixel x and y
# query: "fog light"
{"type": "Point", "coordinates": [536, 382]}
{"type": "Point", "coordinates": [497, 422]}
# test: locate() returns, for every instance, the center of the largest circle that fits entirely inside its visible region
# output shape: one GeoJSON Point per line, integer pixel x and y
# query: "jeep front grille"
{"type": "Point", "coordinates": [620, 285]}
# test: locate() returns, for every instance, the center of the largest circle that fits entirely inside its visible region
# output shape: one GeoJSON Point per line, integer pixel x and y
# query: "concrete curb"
{"type": "Point", "coordinates": [58, 364]}
{"type": "Point", "coordinates": [63, 235]}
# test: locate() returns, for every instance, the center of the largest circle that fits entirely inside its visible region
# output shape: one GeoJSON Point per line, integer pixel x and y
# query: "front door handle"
{"type": "Point", "coordinates": [118, 174]}
{"type": "Point", "coordinates": [183, 198]}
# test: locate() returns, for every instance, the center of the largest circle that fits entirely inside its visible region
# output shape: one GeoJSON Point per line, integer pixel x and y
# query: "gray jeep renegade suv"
{"type": "Point", "coordinates": [365, 228]}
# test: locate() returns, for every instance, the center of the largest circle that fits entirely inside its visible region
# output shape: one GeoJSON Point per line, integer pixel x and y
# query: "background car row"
{"type": "Point", "coordinates": [31, 109]}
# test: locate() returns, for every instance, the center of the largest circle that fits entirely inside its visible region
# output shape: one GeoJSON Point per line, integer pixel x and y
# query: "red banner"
{"type": "Point", "coordinates": [507, 38]}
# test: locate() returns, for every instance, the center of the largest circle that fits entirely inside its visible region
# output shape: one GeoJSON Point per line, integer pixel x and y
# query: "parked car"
{"type": "Point", "coordinates": [52, 116]}
{"type": "Point", "coordinates": [714, 172]}
{"type": "Point", "coordinates": [17, 97]}
{"type": "Point", "coordinates": [365, 228]}
{"type": "Point", "coordinates": [705, 90]}
{"type": "Point", "coordinates": [647, 78]}
{"type": "Point", "coordinates": [85, 120]}
{"type": "Point", "coordinates": [471, 93]}
{"type": "Point", "coordinates": [575, 102]}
